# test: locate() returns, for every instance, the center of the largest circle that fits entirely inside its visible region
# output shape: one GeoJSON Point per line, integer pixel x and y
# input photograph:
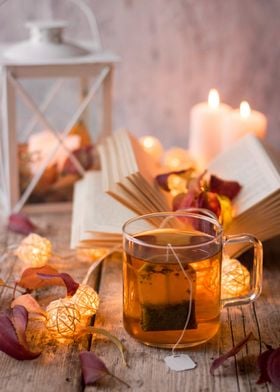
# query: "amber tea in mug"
{"type": "Point", "coordinates": [172, 278]}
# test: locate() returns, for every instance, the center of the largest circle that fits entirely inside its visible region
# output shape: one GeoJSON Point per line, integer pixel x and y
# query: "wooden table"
{"type": "Point", "coordinates": [58, 367]}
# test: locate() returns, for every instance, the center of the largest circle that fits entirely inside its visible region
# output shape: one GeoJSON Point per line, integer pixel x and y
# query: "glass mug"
{"type": "Point", "coordinates": [172, 277]}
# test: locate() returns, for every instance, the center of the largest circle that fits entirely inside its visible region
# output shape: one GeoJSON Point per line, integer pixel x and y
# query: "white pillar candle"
{"type": "Point", "coordinates": [242, 121]}
{"type": "Point", "coordinates": [206, 128]}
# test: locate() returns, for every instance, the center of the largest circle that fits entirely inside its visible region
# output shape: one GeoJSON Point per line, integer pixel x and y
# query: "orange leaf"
{"type": "Point", "coordinates": [31, 280]}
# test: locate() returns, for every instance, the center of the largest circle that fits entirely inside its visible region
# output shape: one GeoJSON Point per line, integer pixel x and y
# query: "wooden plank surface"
{"type": "Point", "coordinates": [58, 368]}
{"type": "Point", "coordinates": [146, 369]}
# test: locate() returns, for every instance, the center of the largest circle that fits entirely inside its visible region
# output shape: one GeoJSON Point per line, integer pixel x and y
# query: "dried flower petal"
{"type": "Point", "coordinates": [68, 281]}
{"type": "Point", "coordinates": [93, 368]}
{"type": "Point", "coordinates": [12, 334]}
{"type": "Point", "coordinates": [84, 155]}
{"type": "Point", "coordinates": [262, 365]}
{"type": "Point", "coordinates": [210, 201]}
{"type": "Point", "coordinates": [162, 179]}
{"type": "Point", "coordinates": [184, 200]}
{"type": "Point", "coordinates": [20, 223]}
{"type": "Point", "coordinates": [273, 367]}
{"type": "Point", "coordinates": [229, 189]}
{"type": "Point", "coordinates": [233, 351]}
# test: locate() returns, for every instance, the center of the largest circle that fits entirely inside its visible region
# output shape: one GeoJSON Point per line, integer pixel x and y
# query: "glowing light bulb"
{"type": "Point", "coordinates": [34, 250]}
{"type": "Point", "coordinates": [63, 318]}
{"type": "Point", "coordinates": [86, 300]}
{"type": "Point", "coordinates": [235, 278]}
{"type": "Point", "coordinates": [245, 110]}
{"type": "Point", "coordinates": [213, 99]}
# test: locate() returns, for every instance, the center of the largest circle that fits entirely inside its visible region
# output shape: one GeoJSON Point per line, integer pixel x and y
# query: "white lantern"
{"type": "Point", "coordinates": [48, 58]}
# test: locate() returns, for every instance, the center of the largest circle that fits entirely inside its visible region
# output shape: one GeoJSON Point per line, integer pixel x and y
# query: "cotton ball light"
{"type": "Point", "coordinates": [63, 318]}
{"type": "Point", "coordinates": [235, 278]}
{"type": "Point", "coordinates": [34, 250]}
{"type": "Point", "coordinates": [86, 300]}
{"type": "Point", "coordinates": [177, 158]}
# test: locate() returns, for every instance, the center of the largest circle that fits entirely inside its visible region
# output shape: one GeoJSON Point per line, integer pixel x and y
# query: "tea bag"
{"type": "Point", "coordinates": [166, 296]}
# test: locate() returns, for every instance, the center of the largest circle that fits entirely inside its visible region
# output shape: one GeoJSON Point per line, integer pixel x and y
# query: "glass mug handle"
{"type": "Point", "coordinates": [255, 275]}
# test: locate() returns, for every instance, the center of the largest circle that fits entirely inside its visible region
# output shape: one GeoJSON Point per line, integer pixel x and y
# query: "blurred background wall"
{"type": "Point", "coordinates": [172, 53]}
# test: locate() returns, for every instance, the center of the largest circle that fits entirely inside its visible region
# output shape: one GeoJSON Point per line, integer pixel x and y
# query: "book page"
{"type": "Point", "coordinates": [102, 213]}
{"type": "Point", "coordinates": [248, 163]}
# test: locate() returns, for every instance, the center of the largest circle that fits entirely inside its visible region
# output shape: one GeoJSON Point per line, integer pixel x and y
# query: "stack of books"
{"type": "Point", "coordinates": [126, 186]}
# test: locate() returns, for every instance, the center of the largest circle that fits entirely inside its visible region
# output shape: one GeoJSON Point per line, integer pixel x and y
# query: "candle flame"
{"type": "Point", "coordinates": [245, 109]}
{"type": "Point", "coordinates": [213, 99]}
{"type": "Point", "coordinates": [148, 141]}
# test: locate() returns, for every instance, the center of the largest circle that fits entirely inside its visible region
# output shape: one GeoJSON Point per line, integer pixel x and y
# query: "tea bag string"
{"type": "Point", "coordinates": [190, 298]}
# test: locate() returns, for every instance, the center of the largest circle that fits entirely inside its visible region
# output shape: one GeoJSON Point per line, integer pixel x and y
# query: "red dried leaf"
{"type": "Point", "coordinates": [162, 179]}
{"type": "Point", "coordinates": [229, 189]}
{"type": "Point", "coordinates": [20, 223]}
{"type": "Point", "coordinates": [93, 368]}
{"type": "Point", "coordinates": [195, 184]}
{"type": "Point", "coordinates": [12, 334]}
{"type": "Point", "coordinates": [184, 200]}
{"type": "Point", "coordinates": [210, 201]}
{"type": "Point", "coordinates": [69, 282]}
{"type": "Point", "coordinates": [84, 155]}
{"type": "Point", "coordinates": [30, 304]}
{"type": "Point", "coordinates": [262, 365]}
{"type": "Point", "coordinates": [233, 351]}
{"type": "Point", "coordinates": [31, 280]}
{"type": "Point", "coordinates": [273, 367]}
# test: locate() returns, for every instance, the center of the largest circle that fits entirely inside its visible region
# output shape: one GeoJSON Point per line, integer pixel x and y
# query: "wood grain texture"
{"type": "Point", "coordinates": [172, 53]}
{"type": "Point", "coordinates": [58, 367]}
{"type": "Point", "coordinates": [146, 370]}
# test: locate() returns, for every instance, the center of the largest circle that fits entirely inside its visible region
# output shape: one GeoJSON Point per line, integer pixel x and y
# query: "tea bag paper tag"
{"type": "Point", "coordinates": [179, 362]}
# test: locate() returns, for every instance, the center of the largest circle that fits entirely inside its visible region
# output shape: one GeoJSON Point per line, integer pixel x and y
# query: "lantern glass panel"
{"type": "Point", "coordinates": [49, 144]}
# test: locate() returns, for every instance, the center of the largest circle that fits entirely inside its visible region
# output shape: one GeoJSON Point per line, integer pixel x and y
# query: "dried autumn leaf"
{"type": "Point", "coordinates": [30, 304]}
{"type": "Point", "coordinates": [31, 280]}
{"type": "Point", "coordinates": [20, 223]}
{"type": "Point", "coordinates": [262, 365]}
{"type": "Point", "coordinates": [184, 201]}
{"type": "Point", "coordinates": [84, 155]}
{"type": "Point", "coordinates": [229, 189]}
{"type": "Point", "coordinates": [233, 351]}
{"type": "Point", "coordinates": [12, 334]}
{"type": "Point", "coordinates": [210, 201]}
{"type": "Point", "coordinates": [93, 369]}
{"type": "Point", "coordinates": [69, 282]}
{"type": "Point", "coordinates": [162, 179]}
{"type": "Point", "coordinates": [273, 367]}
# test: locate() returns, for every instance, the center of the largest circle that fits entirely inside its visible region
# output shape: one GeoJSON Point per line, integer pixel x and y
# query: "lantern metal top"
{"type": "Point", "coordinates": [45, 43]}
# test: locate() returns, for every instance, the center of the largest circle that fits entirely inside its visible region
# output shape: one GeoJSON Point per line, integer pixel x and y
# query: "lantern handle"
{"type": "Point", "coordinates": [86, 10]}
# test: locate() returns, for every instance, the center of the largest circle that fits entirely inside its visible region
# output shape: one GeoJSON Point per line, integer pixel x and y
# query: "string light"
{"type": "Point", "coordinates": [86, 300]}
{"type": "Point", "coordinates": [235, 278]}
{"type": "Point", "coordinates": [63, 318]}
{"type": "Point", "coordinates": [34, 250]}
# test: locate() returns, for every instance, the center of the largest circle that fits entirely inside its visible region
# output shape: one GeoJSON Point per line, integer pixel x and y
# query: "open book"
{"type": "Point", "coordinates": [126, 187]}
